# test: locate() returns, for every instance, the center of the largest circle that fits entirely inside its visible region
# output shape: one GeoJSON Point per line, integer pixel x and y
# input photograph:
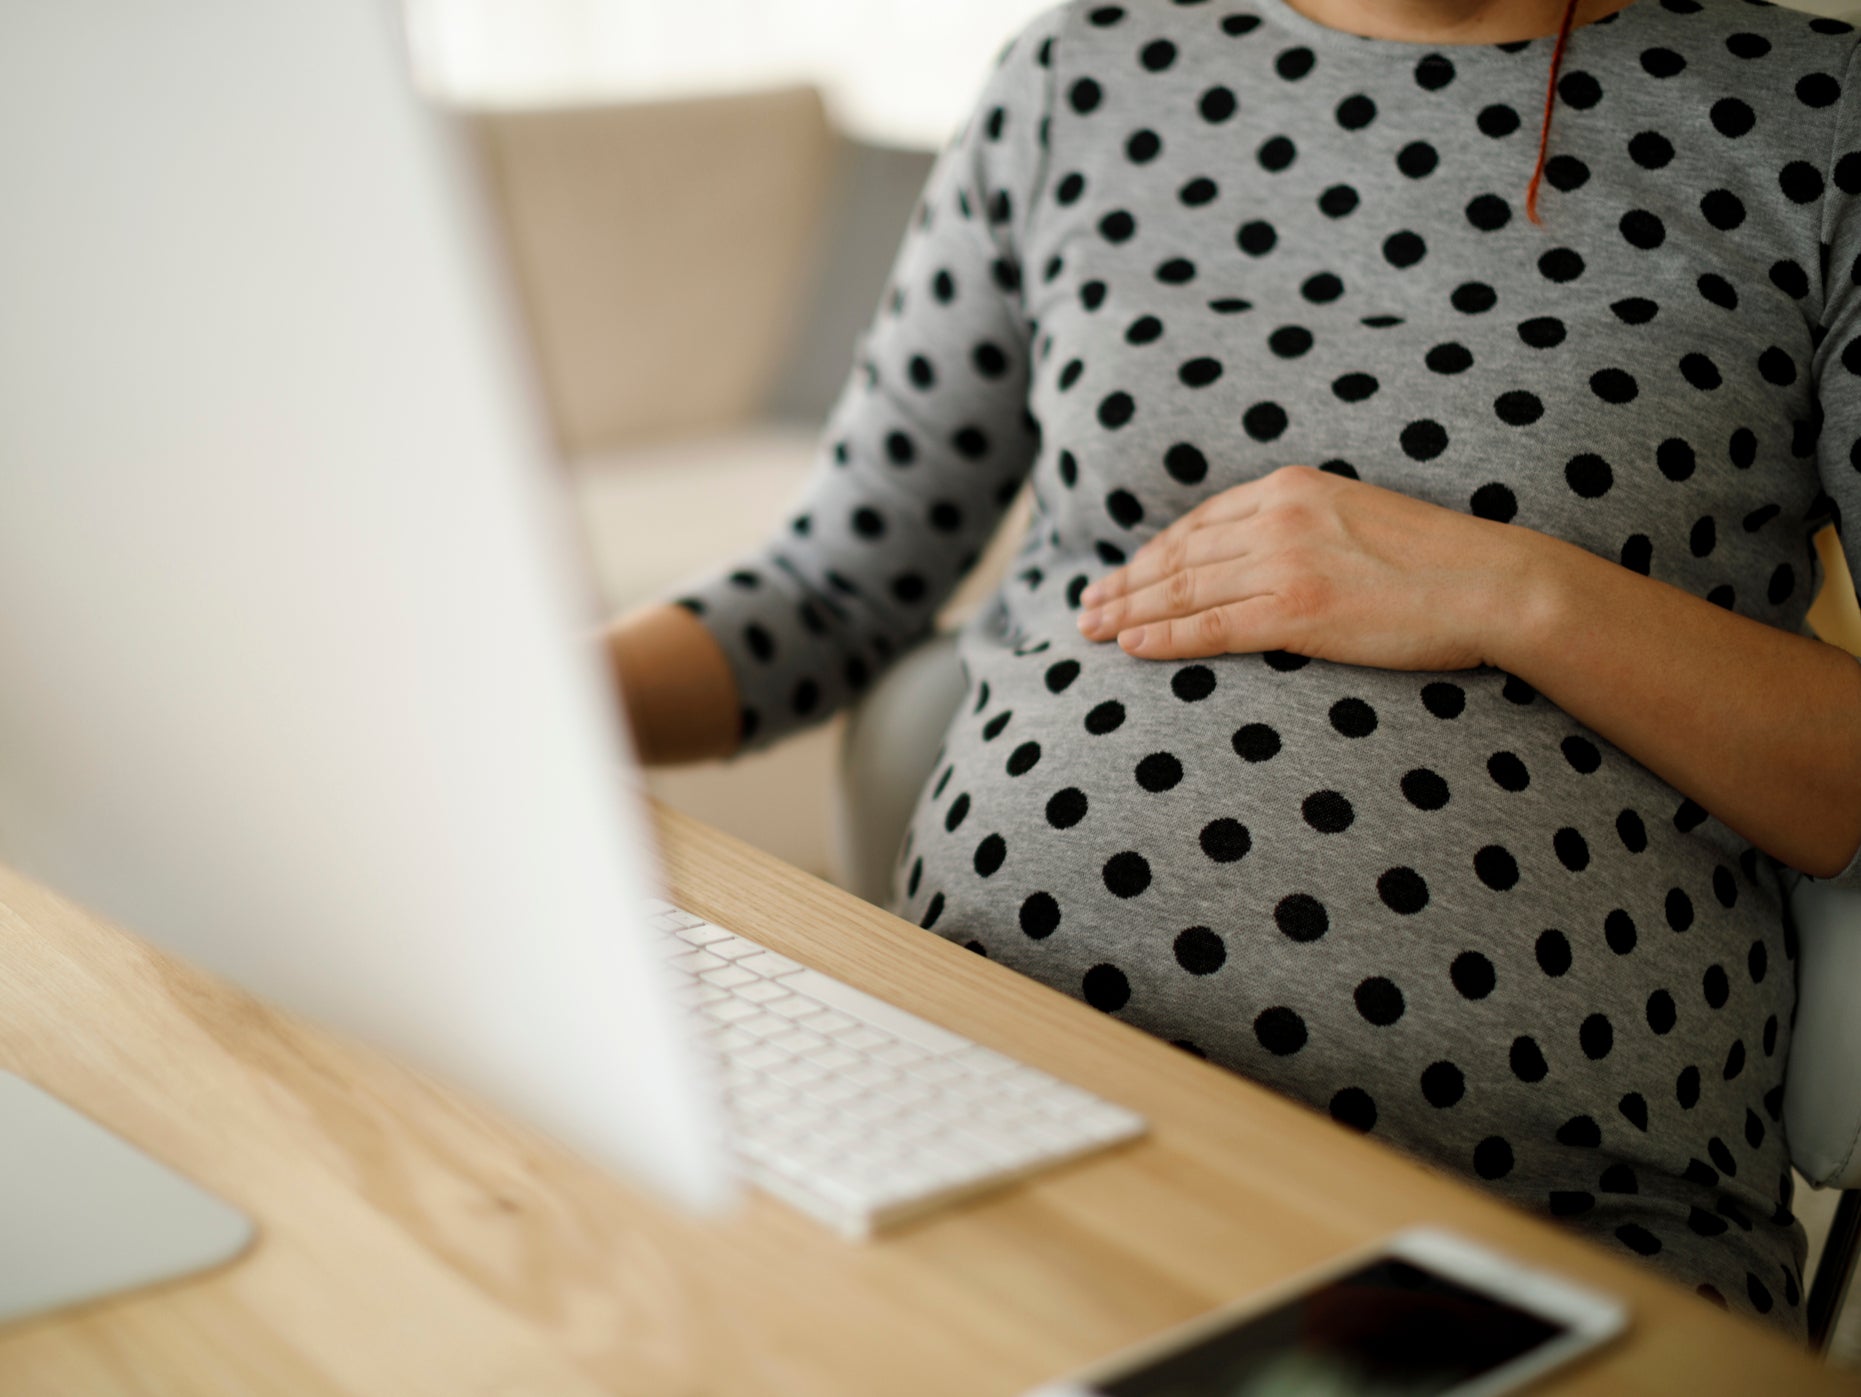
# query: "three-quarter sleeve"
{"type": "Point", "coordinates": [928, 441]}
{"type": "Point", "coordinates": [1837, 362]}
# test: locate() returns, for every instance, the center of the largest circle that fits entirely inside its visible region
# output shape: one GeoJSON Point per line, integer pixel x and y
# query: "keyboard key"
{"type": "Point", "coordinates": [760, 991]}
{"type": "Point", "coordinates": [798, 1040]}
{"type": "Point", "coordinates": [769, 963]}
{"type": "Point", "coordinates": [726, 1010]}
{"type": "Point", "coordinates": [792, 1006]}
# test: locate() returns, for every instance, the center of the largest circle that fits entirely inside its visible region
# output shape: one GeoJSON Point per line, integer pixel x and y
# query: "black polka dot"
{"type": "Point", "coordinates": [1572, 850]}
{"type": "Point", "coordinates": [1040, 915]}
{"type": "Point", "coordinates": [1066, 808]}
{"type": "Point", "coordinates": [1301, 917]}
{"type": "Point", "coordinates": [1105, 987]}
{"type": "Point", "coordinates": [1424, 440]}
{"type": "Point", "coordinates": [1116, 410]}
{"type": "Point", "coordinates": [1494, 501]}
{"type": "Point", "coordinates": [1424, 789]}
{"type": "Point", "coordinates": [1061, 675]}
{"type": "Point", "coordinates": [1403, 890]}
{"type": "Point", "coordinates": [1127, 874]}
{"type": "Point", "coordinates": [1638, 1239]}
{"type": "Point", "coordinates": [1528, 1063]}
{"type": "Point", "coordinates": [1473, 975]}
{"type": "Point", "coordinates": [1105, 717]}
{"type": "Point", "coordinates": [1662, 1015]}
{"type": "Point", "coordinates": [1553, 952]}
{"type": "Point", "coordinates": [1444, 700]}
{"type": "Point", "coordinates": [1679, 909]}
{"type": "Point", "coordinates": [1620, 931]}
{"type": "Point", "coordinates": [1686, 1088]}
{"type": "Point", "coordinates": [1634, 1109]}
{"type": "Point", "coordinates": [1353, 1107]}
{"type": "Point", "coordinates": [1124, 508]}
{"type": "Point", "coordinates": [1160, 771]}
{"type": "Point", "coordinates": [1280, 1031]}
{"type": "Point", "coordinates": [989, 855]}
{"type": "Point", "coordinates": [1758, 1294]}
{"type": "Point", "coordinates": [1217, 104]}
{"type": "Point", "coordinates": [1498, 120]}
{"type": "Point", "coordinates": [1380, 1001]}
{"type": "Point", "coordinates": [1352, 717]}
{"type": "Point", "coordinates": [1581, 1132]}
{"type": "Point", "coordinates": [1185, 464]}
{"type": "Point", "coordinates": [1256, 742]}
{"type": "Point", "coordinates": [1328, 812]}
{"type": "Point", "coordinates": [1496, 867]}
{"type": "Point", "coordinates": [1443, 1084]}
{"type": "Point", "coordinates": [1492, 1158]}
{"type": "Point", "coordinates": [1200, 951]}
{"type": "Point", "coordinates": [1508, 771]}
{"type": "Point", "coordinates": [1225, 840]}
{"type": "Point", "coordinates": [1193, 683]}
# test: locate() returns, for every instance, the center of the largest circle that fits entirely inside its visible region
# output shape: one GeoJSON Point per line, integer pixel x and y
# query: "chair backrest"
{"type": "Point", "coordinates": [650, 237]}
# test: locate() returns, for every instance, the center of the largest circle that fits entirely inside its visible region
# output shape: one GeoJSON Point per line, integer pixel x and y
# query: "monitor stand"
{"type": "Point", "coordinates": [84, 1214]}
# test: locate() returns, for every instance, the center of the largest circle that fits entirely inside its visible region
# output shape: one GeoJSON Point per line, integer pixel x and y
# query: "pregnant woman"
{"type": "Point", "coordinates": [1400, 697]}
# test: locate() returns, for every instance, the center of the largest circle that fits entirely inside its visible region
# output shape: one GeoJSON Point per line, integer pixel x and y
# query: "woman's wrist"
{"type": "Point", "coordinates": [1536, 584]}
{"type": "Point", "coordinates": [676, 683]}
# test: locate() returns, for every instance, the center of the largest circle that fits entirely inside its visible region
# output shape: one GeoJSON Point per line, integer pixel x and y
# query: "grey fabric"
{"type": "Point", "coordinates": [1179, 245]}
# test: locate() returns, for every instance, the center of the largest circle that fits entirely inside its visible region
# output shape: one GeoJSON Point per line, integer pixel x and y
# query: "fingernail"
{"type": "Point", "coordinates": [1091, 594]}
{"type": "Point", "coordinates": [1089, 620]}
{"type": "Point", "coordinates": [1132, 638]}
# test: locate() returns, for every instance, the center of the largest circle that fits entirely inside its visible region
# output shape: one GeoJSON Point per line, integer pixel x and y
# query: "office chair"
{"type": "Point", "coordinates": [891, 745]}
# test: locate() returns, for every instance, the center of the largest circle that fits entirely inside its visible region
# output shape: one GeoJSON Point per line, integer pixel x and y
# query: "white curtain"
{"type": "Point", "coordinates": [899, 72]}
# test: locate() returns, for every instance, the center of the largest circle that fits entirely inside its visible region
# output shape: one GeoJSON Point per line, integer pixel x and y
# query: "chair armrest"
{"type": "Point", "coordinates": [1822, 1085]}
{"type": "Point", "coordinates": [887, 753]}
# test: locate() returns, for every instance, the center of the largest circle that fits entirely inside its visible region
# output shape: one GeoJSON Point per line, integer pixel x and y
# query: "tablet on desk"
{"type": "Point", "coordinates": [1423, 1314]}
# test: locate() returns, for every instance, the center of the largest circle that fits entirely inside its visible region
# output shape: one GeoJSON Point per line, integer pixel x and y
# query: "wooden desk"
{"type": "Point", "coordinates": [412, 1243]}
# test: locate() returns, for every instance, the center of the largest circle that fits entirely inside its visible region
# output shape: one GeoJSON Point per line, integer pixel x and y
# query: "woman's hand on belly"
{"type": "Point", "coordinates": [1755, 724]}
{"type": "Point", "coordinates": [1321, 565]}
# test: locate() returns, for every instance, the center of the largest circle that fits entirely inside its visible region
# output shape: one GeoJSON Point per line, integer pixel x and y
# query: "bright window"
{"type": "Point", "coordinates": [898, 72]}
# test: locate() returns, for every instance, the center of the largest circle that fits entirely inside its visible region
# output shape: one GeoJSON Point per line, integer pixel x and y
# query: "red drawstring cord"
{"type": "Point", "coordinates": [1550, 100]}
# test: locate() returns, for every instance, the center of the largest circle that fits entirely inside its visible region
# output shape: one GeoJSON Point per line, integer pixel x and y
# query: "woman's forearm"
{"type": "Point", "coordinates": [1760, 727]}
{"type": "Point", "coordinates": [681, 697]}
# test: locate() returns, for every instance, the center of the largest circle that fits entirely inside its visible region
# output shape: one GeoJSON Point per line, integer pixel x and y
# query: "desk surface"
{"type": "Point", "coordinates": [412, 1243]}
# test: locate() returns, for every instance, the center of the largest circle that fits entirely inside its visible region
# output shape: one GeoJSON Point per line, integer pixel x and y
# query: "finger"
{"type": "Point", "coordinates": [1238, 627]}
{"type": "Point", "coordinates": [1181, 593]}
{"type": "Point", "coordinates": [1156, 561]}
{"type": "Point", "coordinates": [1235, 503]}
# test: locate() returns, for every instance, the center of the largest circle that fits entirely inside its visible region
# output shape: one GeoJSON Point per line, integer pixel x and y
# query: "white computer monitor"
{"type": "Point", "coordinates": [297, 674]}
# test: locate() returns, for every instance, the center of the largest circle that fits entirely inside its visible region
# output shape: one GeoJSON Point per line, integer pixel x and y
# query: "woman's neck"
{"type": "Point", "coordinates": [1452, 21]}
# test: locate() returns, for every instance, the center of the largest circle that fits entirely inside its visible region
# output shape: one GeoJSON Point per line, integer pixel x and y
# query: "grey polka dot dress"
{"type": "Point", "coordinates": [1178, 245]}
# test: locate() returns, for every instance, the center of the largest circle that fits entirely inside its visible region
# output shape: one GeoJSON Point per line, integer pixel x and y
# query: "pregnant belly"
{"type": "Point", "coordinates": [1433, 904]}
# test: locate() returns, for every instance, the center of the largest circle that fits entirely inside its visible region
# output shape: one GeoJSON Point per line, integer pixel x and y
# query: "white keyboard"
{"type": "Point", "coordinates": [854, 1111]}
